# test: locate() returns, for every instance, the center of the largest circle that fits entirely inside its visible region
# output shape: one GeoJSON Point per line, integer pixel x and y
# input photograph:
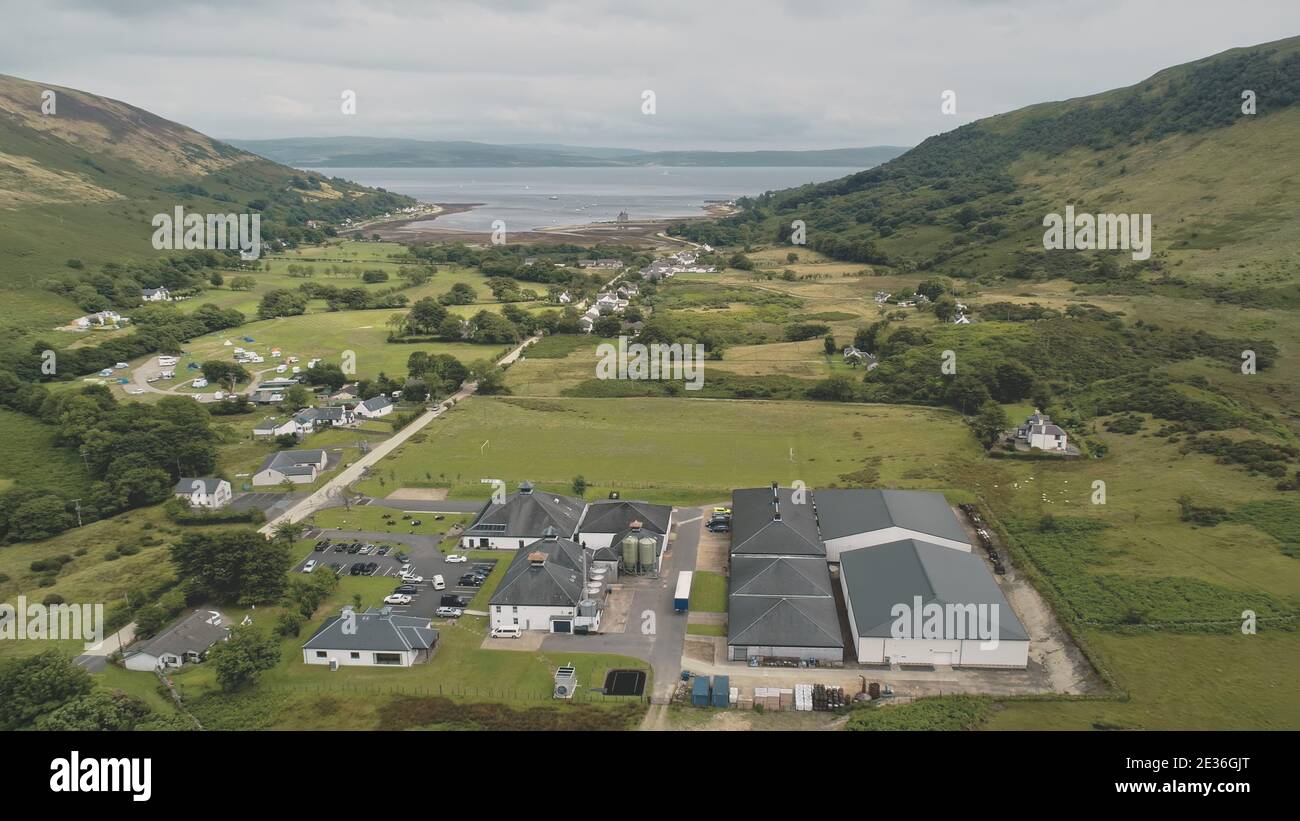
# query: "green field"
{"type": "Point", "coordinates": [679, 451]}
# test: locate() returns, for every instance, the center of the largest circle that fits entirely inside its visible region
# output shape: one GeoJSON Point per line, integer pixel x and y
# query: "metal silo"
{"type": "Point", "coordinates": [629, 553]}
{"type": "Point", "coordinates": [646, 553]}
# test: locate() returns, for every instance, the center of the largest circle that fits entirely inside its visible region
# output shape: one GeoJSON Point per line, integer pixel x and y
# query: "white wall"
{"type": "Point", "coordinates": [530, 617]}
{"type": "Point", "coordinates": [964, 653]}
{"type": "Point", "coordinates": [344, 658]}
{"type": "Point", "coordinates": [819, 653]}
{"type": "Point", "coordinates": [275, 477]}
{"type": "Point", "coordinates": [834, 547]}
{"type": "Point", "coordinates": [497, 542]}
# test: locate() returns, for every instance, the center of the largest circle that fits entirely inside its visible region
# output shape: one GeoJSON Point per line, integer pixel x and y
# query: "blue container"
{"type": "Point", "coordinates": [700, 691]}
{"type": "Point", "coordinates": [721, 691]}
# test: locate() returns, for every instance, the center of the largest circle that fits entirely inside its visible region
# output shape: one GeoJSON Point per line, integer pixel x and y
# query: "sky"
{"type": "Point", "coordinates": [774, 74]}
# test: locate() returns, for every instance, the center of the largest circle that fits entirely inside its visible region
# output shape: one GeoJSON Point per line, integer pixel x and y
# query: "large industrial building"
{"type": "Point", "coordinates": [914, 591]}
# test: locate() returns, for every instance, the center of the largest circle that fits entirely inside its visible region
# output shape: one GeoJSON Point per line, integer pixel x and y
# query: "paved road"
{"type": "Point", "coordinates": [95, 658]}
{"type": "Point", "coordinates": [140, 377]}
{"type": "Point", "coordinates": [330, 491]}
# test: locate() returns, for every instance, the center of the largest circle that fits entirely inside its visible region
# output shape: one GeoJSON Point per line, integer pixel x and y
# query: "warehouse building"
{"type": "Point", "coordinates": [914, 602]}
{"type": "Point", "coordinates": [861, 517]}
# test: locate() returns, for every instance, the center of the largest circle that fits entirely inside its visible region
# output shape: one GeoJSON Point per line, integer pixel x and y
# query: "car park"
{"type": "Point", "coordinates": [456, 559]}
{"type": "Point", "coordinates": [397, 598]}
{"type": "Point", "coordinates": [448, 612]}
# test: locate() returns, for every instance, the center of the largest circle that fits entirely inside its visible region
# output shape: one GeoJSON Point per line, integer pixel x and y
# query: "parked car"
{"type": "Point", "coordinates": [402, 557]}
{"type": "Point", "coordinates": [448, 612]}
{"type": "Point", "coordinates": [397, 598]}
{"type": "Point", "coordinates": [408, 589]}
{"type": "Point", "coordinates": [456, 559]}
{"type": "Point", "coordinates": [383, 550]}
{"type": "Point", "coordinates": [439, 583]}
{"type": "Point", "coordinates": [354, 570]}
{"type": "Point", "coordinates": [321, 547]}
{"type": "Point", "coordinates": [309, 566]}
{"type": "Point", "coordinates": [353, 549]}
{"type": "Point", "coordinates": [412, 579]}
{"type": "Point", "coordinates": [725, 511]}
{"type": "Point", "coordinates": [470, 580]}
{"type": "Point", "coordinates": [720, 527]}
{"type": "Point", "coordinates": [507, 631]}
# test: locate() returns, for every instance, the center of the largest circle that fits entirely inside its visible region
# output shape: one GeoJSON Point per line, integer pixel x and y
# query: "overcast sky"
{"type": "Point", "coordinates": [726, 75]}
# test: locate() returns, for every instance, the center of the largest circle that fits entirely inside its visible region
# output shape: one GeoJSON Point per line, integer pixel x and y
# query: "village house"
{"type": "Point", "coordinates": [99, 318]}
{"type": "Point", "coordinates": [1039, 432]}
{"type": "Point", "coordinates": [375, 638]}
{"type": "Point", "coordinates": [209, 493]}
{"type": "Point", "coordinates": [155, 295]}
{"type": "Point", "coordinates": [374, 407]}
{"type": "Point", "coordinates": [300, 467]}
{"type": "Point", "coordinates": [185, 642]}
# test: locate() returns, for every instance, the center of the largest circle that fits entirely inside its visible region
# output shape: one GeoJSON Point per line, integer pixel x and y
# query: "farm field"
{"type": "Point", "coordinates": [626, 445]}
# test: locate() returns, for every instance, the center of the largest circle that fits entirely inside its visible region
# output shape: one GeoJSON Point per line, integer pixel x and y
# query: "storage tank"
{"type": "Point", "coordinates": [629, 553]}
{"type": "Point", "coordinates": [646, 553]}
{"type": "Point", "coordinates": [587, 607]}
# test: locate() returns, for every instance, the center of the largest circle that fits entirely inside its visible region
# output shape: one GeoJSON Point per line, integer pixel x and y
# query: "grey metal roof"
{"type": "Point", "coordinates": [294, 461]}
{"type": "Point", "coordinates": [186, 485]}
{"type": "Point", "coordinates": [615, 516]}
{"type": "Point", "coordinates": [780, 576]}
{"type": "Point", "coordinates": [555, 582]}
{"type": "Point", "coordinates": [377, 402]}
{"type": "Point", "coordinates": [192, 634]}
{"type": "Point", "coordinates": [375, 631]}
{"type": "Point", "coordinates": [880, 577]}
{"type": "Point", "coordinates": [846, 511]}
{"type": "Point", "coordinates": [783, 622]}
{"type": "Point", "coordinates": [527, 515]}
{"type": "Point", "coordinates": [755, 530]}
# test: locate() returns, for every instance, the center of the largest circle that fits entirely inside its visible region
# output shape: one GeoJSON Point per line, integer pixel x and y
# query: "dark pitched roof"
{"type": "Point", "coordinates": [377, 403]}
{"type": "Point", "coordinates": [293, 461]}
{"type": "Point", "coordinates": [192, 634]}
{"type": "Point", "coordinates": [375, 631]}
{"type": "Point", "coordinates": [880, 577]}
{"type": "Point", "coordinates": [756, 530]}
{"type": "Point", "coordinates": [783, 622]}
{"type": "Point", "coordinates": [186, 485]}
{"type": "Point", "coordinates": [555, 582]}
{"type": "Point", "coordinates": [527, 514]}
{"type": "Point", "coordinates": [616, 515]}
{"type": "Point", "coordinates": [843, 512]}
{"type": "Point", "coordinates": [779, 576]}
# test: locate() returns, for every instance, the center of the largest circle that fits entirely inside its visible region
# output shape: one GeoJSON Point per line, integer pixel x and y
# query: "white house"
{"type": "Point", "coordinates": [375, 407]}
{"type": "Point", "coordinates": [1039, 432]}
{"type": "Point", "coordinates": [911, 602]}
{"type": "Point", "coordinates": [375, 638]}
{"type": "Point", "coordinates": [544, 589]}
{"type": "Point", "coordinates": [100, 318]}
{"type": "Point", "coordinates": [298, 466]}
{"type": "Point", "coordinates": [185, 642]}
{"type": "Point", "coordinates": [210, 493]}
{"type": "Point", "coordinates": [521, 520]}
{"type": "Point", "coordinates": [155, 295]}
{"type": "Point", "coordinates": [277, 426]}
{"type": "Point", "coordinates": [851, 518]}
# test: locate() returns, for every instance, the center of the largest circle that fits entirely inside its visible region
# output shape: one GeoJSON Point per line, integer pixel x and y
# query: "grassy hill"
{"type": "Point", "coordinates": [970, 202]}
{"type": "Point", "coordinates": [84, 182]}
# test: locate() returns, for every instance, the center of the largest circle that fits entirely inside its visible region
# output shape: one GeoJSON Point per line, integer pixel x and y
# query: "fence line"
{"type": "Point", "coordinates": [491, 693]}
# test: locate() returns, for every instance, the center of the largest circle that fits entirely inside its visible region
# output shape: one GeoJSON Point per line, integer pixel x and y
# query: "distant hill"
{"type": "Point", "coordinates": [377, 152]}
{"type": "Point", "coordinates": [1220, 185]}
{"type": "Point", "coordinates": [83, 183]}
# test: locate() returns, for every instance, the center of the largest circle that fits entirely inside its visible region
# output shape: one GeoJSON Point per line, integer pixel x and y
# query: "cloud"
{"type": "Point", "coordinates": [727, 74]}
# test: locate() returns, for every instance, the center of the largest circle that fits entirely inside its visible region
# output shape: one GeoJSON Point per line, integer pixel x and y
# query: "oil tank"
{"type": "Point", "coordinates": [629, 553]}
{"type": "Point", "coordinates": [646, 553]}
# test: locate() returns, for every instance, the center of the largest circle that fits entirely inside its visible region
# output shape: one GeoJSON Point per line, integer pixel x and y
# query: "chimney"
{"type": "Point", "coordinates": [537, 558]}
{"type": "Point", "coordinates": [635, 524]}
{"type": "Point", "coordinates": [525, 487]}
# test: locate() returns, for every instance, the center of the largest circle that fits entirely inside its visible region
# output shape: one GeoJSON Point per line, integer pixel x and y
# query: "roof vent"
{"type": "Point", "coordinates": [776, 511]}
{"type": "Point", "coordinates": [525, 487]}
{"type": "Point", "coordinates": [635, 524]}
{"type": "Point", "coordinates": [537, 558]}
{"type": "Point", "coordinates": [550, 534]}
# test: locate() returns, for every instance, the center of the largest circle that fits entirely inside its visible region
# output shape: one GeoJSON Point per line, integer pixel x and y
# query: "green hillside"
{"type": "Point", "coordinates": [82, 183]}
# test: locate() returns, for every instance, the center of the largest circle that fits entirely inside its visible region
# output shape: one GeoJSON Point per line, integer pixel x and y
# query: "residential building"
{"type": "Point", "coordinates": [187, 641]}
{"type": "Point", "coordinates": [300, 467]}
{"type": "Point", "coordinates": [209, 493]}
{"type": "Point", "coordinates": [375, 638]}
{"type": "Point", "coordinates": [1038, 431]}
{"type": "Point", "coordinates": [155, 295]}
{"type": "Point", "coordinates": [375, 407]}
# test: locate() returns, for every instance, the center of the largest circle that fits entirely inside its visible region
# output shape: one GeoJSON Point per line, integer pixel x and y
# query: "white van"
{"type": "Point", "coordinates": [309, 566]}
{"type": "Point", "coordinates": [438, 583]}
{"type": "Point", "coordinates": [507, 631]}
{"type": "Point", "coordinates": [164, 361]}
